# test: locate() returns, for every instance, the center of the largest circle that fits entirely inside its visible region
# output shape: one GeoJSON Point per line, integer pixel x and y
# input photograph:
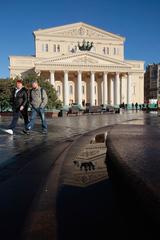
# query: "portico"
{"type": "Point", "coordinates": [94, 87]}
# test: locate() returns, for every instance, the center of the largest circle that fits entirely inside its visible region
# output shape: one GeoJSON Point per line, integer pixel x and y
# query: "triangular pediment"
{"type": "Point", "coordinates": [79, 30]}
{"type": "Point", "coordinates": [84, 59]}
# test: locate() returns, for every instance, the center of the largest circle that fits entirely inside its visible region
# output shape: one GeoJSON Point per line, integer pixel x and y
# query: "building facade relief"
{"type": "Point", "coordinates": [85, 64]}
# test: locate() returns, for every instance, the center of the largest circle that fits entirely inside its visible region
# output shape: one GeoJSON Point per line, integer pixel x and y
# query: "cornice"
{"type": "Point", "coordinates": [78, 29]}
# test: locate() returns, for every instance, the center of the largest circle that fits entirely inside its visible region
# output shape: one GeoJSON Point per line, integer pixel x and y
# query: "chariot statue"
{"type": "Point", "coordinates": [85, 46]}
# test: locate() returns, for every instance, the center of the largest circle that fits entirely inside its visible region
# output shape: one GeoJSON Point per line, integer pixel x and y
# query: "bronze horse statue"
{"type": "Point", "coordinates": [86, 46]}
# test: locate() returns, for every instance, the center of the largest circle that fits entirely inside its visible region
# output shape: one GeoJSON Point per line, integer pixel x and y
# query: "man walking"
{"type": "Point", "coordinates": [19, 101]}
{"type": "Point", "coordinates": [38, 101]}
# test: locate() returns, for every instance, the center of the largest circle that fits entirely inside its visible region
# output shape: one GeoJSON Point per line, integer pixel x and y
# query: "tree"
{"type": "Point", "coordinates": [6, 86]}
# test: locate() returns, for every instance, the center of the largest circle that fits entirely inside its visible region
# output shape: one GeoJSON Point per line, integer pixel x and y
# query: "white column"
{"type": "Point", "coordinates": [121, 90]}
{"type": "Point", "coordinates": [112, 91]}
{"type": "Point", "coordinates": [129, 79]}
{"type": "Point", "coordinates": [105, 95]}
{"type": "Point", "coordinates": [117, 89]}
{"type": "Point", "coordinates": [92, 80]}
{"type": "Point", "coordinates": [52, 78]}
{"type": "Point", "coordinates": [79, 88]}
{"type": "Point", "coordinates": [66, 89]}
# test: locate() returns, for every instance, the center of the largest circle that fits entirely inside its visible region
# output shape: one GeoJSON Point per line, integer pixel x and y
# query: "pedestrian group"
{"type": "Point", "coordinates": [21, 99]}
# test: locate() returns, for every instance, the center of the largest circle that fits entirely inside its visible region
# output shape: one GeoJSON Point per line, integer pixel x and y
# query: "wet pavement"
{"type": "Point", "coordinates": [133, 155]}
{"type": "Point", "coordinates": [82, 212]}
{"type": "Point", "coordinates": [59, 129]}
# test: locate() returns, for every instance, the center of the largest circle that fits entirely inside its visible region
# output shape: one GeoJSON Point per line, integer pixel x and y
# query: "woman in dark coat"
{"type": "Point", "coordinates": [19, 101]}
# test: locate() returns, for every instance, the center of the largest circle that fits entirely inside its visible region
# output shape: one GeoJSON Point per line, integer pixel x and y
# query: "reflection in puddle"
{"type": "Point", "coordinates": [88, 167]}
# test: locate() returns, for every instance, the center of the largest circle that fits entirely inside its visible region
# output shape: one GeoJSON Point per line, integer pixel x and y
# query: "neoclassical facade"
{"type": "Point", "coordinates": [85, 64]}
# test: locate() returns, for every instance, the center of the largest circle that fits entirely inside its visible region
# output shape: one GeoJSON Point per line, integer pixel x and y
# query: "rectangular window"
{"type": "Point", "coordinates": [46, 47]}
{"type": "Point", "coordinates": [58, 48]}
{"type": "Point", "coordinates": [114, 51]}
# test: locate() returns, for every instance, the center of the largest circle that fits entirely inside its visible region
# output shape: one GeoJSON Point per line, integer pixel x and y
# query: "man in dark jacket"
{"type": "Point", "coordinates": [38, 101]}
{"type": "Point", "coordinates": [20, 106]}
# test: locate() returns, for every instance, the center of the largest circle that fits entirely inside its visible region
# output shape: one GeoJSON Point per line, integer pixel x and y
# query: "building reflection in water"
{"type": "Point", "coordinates": [88, 167]}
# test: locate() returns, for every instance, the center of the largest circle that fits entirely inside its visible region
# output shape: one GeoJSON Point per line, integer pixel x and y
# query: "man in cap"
{"type": "Point", "coordinates": [38, 101]}
{"type": "Point", "coordinates": [19, 101]}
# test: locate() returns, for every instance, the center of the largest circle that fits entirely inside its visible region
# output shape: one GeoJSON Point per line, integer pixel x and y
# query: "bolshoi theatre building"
{"type": "Point", "coordinates": [85, 64]}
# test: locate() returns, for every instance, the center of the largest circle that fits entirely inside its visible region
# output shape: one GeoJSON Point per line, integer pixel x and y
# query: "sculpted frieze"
{"type": "Point", "coordinates": [82, 32]}
{"type": "Point", "coordinates": [85, 60]}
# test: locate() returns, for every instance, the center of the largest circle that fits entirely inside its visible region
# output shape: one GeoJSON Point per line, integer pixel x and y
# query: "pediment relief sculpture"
{"type": "Point", "coordinates": [83, 32]}
{"type": "Point", "coordinates": [85, 60]}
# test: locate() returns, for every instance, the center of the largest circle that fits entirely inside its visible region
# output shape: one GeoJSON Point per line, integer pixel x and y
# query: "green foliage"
{"type": "Point", "coordinates": [7, 85]}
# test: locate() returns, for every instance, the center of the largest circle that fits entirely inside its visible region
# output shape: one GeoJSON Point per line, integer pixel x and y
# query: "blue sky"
{"type": "Point", "coordinates": [138, 21]}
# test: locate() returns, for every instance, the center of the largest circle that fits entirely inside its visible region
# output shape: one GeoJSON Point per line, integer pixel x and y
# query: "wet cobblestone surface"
{"type": "Point", "coordinates": [29, 159]}
{"type": "Point", "coordinates": [59, 129]}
